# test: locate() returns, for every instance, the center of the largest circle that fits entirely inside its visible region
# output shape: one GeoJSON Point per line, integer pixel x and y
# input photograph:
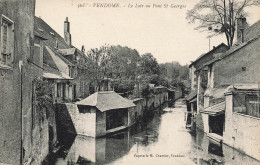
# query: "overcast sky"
{"type": "Point", "coordinates": [163, 32]}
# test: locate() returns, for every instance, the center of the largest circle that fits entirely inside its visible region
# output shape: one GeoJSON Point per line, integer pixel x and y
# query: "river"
{"type": "Point", "coordinates": [163, 139]}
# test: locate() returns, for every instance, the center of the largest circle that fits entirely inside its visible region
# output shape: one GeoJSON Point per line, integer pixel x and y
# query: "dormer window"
{"type": "Point", "coordinates": [7, 41]}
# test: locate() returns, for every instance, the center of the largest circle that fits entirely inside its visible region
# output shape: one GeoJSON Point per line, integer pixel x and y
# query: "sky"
{"type": "Point", "coordinates": [164, 32]}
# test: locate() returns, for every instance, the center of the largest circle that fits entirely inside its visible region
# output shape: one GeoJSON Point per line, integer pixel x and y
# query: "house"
{"type": "Point", "coordinates": [229, 109]}
{"type": "Point", "coordinates": [24, 136]}
{"type": "Point", "coordinates": [242, 118]}
{"type": "Point", "coordinates": [201, 60]}
{"type": "Point", "coordinates": [105, 112]}
{"type": "Point", "coordinates": [197, 74]}
{"type": "Point", "coordinates": [61, 55]}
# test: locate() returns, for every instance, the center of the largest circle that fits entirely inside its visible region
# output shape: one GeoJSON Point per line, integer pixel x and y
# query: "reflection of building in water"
{"type": "Point", "coordinates": [90, 150]}
{"type": "Point", "coordinates": [209, 151]}
{"type": "Point", "coordinates": [101, 150]}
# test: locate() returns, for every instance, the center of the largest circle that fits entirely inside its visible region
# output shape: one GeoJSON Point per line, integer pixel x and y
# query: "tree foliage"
{"type": "Point", "coordinates": [122, 65]}
{"type": "Point", "coordinates": [219, 16]}
{"type": "Point", "coordinates": [148, 69]}
{"type": "Point", "coordinates": [96, 64]}
{"type": "Point", "coordinates": [43, 94]}
{"type": "Point", "coordinates": [174, 74]}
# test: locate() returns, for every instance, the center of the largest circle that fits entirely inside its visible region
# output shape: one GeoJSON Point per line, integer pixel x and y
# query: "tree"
{"type": "Point", "coordinates": [96, 65]}
{"type": "Point", "coordinates": [115, 62]}
{"type": "Point", "coordinates": [173, 74]}
{"type": "Point", "coordinates": [219, 16]}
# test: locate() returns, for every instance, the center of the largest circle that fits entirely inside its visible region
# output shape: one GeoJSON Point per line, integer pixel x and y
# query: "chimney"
{"type": "Point", "coordinates": [67, 35]}
{"type": "Point", "coordinates": [83, 48]}
{"type": "Point", "coordinates": [240, 27]}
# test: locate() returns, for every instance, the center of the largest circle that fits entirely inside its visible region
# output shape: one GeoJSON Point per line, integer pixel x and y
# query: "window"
{"type": "Point", "coordinates": [248, 104]}
{"type": "Point", "coordinates": [59, 90]}
{"type": "Point", "coordinates": [74, 92]}
{"type": "Point", "coordinates": [70, 71]}
{"type": "Point", "coordinates": [7, 41]}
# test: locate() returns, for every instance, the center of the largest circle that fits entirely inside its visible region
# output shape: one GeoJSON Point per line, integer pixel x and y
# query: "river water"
{"type": "Point", "coordinates": [163, 139]}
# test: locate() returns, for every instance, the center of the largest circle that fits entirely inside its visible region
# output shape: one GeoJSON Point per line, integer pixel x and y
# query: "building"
{"type": "Point", "coordinates": [61, 57]}
{"type": "Point", "coordinates": [201, 60]}
{"type": "Point", "coordinates": [97, 115]}
{"type": "Point", "coordinates": [229, 109]}
{"type": "Point", "coordinates": [197, 74]}
{"type": "Point", "coordinates": [24, 131]}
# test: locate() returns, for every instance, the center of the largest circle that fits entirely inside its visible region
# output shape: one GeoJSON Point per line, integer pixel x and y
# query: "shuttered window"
{"type": "Point", "coordinates": [7, 41]}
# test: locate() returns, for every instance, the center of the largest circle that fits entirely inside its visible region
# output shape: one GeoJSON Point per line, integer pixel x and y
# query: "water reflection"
{"type": "Point", "coordinates": [162, 136]}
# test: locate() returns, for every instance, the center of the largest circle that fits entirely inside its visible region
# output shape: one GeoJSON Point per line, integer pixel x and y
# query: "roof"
{"type": "Point", "coordinates": [52, 73]}
{"type": "Point", "coordinates": [42, 28]}
{"type": "Point", "coordinates": [216, 109]}
{"type": "Point", "coordinates": [211, 51]}
{"type": "Point", "coordinates": [193, 100]}
{"type": "Point", "coordinates": [232, 50]}
{"type": "Point", "coordinates": [252, 33]}
{"type": "Point", "coordinates": [220, 92]}
{"type": "Point", "coordinates": [216, 92]}
{"type": "Point", "coordinates": [191, 95]}
{"type": "Point", "coordinates": [245, 87]}
{"type": "Point", "coordinates": [55, 76]}
{"type": "Point", "coordinates": [36, 33]}
{"type": "Point", "coordinates": [106, 100]}
{"type": "Point", "coordinates": [69, 51]}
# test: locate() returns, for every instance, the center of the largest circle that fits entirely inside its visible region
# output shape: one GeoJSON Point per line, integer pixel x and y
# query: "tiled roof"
{"type": "Point", "coordinates": [42, 28]}
{"type": "Point", "coordinates": [106, 100]}
{"type": "Point", "coordinates": [215, 109]}
{"type": "Point", "coordinates": [36, 33]}
{"type": "Point", "coordinates": [232, 50]}
{"type": "Point", "coordinates": [211, 51]}
{"type": "Point", "coordinates": [252, 33]}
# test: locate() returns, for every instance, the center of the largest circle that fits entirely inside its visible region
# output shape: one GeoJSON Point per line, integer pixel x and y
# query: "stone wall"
{"type": "Point", "coordinates": [101, 124]}
{"type": "Point", "coordinates": [241, 131]}
{"type": "Point", "coordinates": [156, 100]}
{"type": "Point", "coordinates": [247, 58]}
{"type": "Point", "coordinates": [136, 113]}
{"type": "Point", "coordinates": [24, 130]}
{"type": "Point", "coordinates": [65, 119]}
